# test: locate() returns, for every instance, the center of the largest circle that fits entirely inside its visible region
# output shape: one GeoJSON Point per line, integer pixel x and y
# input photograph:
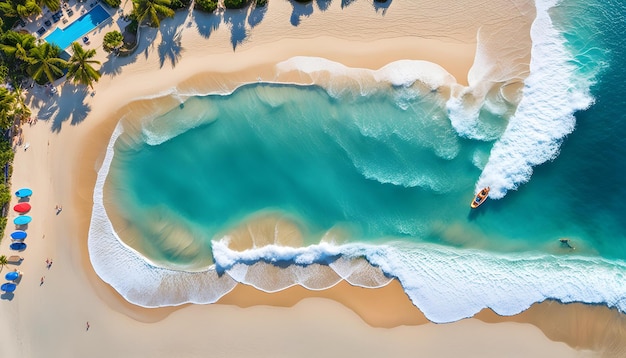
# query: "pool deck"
{"type": "Point", "coordinates": [78, 8]}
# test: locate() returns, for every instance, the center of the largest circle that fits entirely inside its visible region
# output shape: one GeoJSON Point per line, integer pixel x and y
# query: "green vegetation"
{"type": "Point", "coordinates": [113, 3]}
{"type": "Point", "coordinates": [3, 262]}
{"type": "Point", "coordinates": [235, 4]}
{"type": "Point", "coordinates": [45, 63]}
{"type": "Point", "coordinates": [112, 41]}
{"type": "Point", "coordinates": [261, 2]}
{"type": "Point", "coordinates": [19, 8]}
{"type": "Point", "coordinates": [152, 11]}
{"type": "Point", "coordinates": [206, 5]}
{"type": "Point", "coordinates": [53, 5]}
{"type": "Point", "coordinates": [179, 4]}
{"type": "Point", "coordinates": [79, 69]}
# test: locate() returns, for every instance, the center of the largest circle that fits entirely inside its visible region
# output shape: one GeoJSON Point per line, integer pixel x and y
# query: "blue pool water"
{"type": "Point", "coordinates": [87, 22]}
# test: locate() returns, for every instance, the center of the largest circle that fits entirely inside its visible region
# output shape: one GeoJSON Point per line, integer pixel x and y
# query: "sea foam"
{"type": "Point", "coordinates": [553, 92]}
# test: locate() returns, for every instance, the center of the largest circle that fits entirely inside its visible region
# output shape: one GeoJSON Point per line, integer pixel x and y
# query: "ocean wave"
{"type": "Point", "coordinates": [553, 92]}
{"type": "Point", "coordinates": [450, 284]}
{"type": "Point", "coordinates": [402, 73]}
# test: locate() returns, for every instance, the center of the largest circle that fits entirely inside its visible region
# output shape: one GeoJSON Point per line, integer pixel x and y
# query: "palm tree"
{"type": "Point", "coordinates": [7, 105]}
{"type": "Point", "coordinates": [53, 5]}
{"type": "Point", "coordinates": [17, 46]}
{"type": "Point", "coordinates": [3, 262]}
{"type": "Point", "coordinates": [20, 108]}
{"type": "Point", "coordinates": [79, 66]}
{"type": "Point", "coordinates": [150, 10]}
{"type": "Point", "coordinates": [46, 65]}
{"type": "Point", "coordinates": [19, 8]}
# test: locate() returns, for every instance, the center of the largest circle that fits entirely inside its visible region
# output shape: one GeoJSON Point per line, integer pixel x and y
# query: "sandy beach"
{"type": "Point", "coordinates": [66, 310]}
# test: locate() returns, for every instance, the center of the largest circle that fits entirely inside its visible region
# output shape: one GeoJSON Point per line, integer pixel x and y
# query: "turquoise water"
{"type": "Point", "coordinates": [390, 170]}
{"type": "Point", "coordinates": [85, 23]}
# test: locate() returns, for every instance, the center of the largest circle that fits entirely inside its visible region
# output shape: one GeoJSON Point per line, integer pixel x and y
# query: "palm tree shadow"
{"type": "Point", "coordinates": [346, 3]}
{"type": "Point", "coordinates": [382, 5]}
{"type": "Point", "coordinates": [170, 46]}
{"type": "Point", "coordinates": [300, 10]}
{"type": "Point", "coordinates": [69, 105]}
{"type": "Point", "coordinates": [206, 23]}
{"type": "Point", "coordinates": [323, 4]}
{"type": "Point", "coordinates": [114, 65]}
{"type": "Point", "coordinates": [256, 15]}
{"type": "Point", "coordinates": [237, 20]}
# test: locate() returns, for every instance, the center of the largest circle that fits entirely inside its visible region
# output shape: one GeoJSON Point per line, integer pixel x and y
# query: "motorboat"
{"type": "Point", "coordinates": [480, 198]}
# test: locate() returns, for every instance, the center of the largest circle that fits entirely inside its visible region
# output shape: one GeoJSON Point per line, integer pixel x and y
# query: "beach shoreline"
{"type": "Point", "coordinates": [379, 320]}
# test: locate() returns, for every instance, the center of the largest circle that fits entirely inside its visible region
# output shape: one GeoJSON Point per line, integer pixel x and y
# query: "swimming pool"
{"type": "Point", "coordinates": [87, 22]}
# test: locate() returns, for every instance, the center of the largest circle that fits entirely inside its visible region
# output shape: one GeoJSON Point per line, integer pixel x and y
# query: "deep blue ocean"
{"type": "Point", "coordinates": [388, 177]}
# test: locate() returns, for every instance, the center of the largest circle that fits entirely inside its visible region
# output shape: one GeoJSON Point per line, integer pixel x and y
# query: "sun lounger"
{"type": "Point", "coordinates": [15, 259]}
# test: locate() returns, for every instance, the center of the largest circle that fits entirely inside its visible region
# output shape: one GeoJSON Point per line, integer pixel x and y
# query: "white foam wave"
{"type": "Point", "coordinates": [402, 73]}
{"type": "Point", "coordinates": [545, 115]}
{"type": "Point", "coordinates": [449, 284]}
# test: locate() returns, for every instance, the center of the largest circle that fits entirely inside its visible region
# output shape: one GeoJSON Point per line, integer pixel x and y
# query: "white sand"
{"type": "Point", "coordinates": [67, 146]}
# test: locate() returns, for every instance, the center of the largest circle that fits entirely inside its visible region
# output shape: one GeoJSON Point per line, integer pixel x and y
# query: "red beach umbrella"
{"type": "Point", "coordinates": [22, 207]}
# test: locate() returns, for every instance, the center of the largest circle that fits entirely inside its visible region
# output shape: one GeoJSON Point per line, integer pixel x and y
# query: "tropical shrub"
{"type": "Point", "coordinates": [3, 224]}
{"type": "Point", "coordinates": [5, 195]}
{"type": "Point", "coordinates": [261, 2]}
{"type": "Point", "coordinates": [112, 40]}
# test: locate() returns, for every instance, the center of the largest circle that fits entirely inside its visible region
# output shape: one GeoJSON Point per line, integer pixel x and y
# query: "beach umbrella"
{"type": "Point", "coordinates": [22, 220]}
{"type": "Point", "coordinates": [22, 207]}
{"type": "Point", "coordinates": [12, 276]}
{"type": "Point", "coordinates": [23, 193]}
{"type": "Point", "coordinates": [18, 235]}
{"type": "Point", "coordinates": [8, 287]}
{"type": "Point", "coordinates": [17, 246]}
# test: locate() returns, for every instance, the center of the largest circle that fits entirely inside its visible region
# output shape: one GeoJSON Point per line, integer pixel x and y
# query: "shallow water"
{"type": "Point", "coordinates": [388, 176]}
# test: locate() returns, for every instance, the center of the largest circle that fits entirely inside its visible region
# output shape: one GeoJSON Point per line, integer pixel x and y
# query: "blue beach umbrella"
{"type": "Point", "coordinates": [8, 287]}
{"type": "Point", "coordinates": [18, 235]}
{"type": "Point", "coordinates": [22, 220]}
{"type": "Point", "coordinates": [24, 193]}
{"type": "Point", "coordinates": [12, 276]}
{"type": "Point", "coordinates": [18, 246]}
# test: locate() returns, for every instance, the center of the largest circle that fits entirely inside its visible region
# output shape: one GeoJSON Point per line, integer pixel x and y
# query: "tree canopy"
{"type": "Point", "coordinates": [79, 69]}
{"type": "Point", "coordinates": [151, 11]}
{"type": "Point", "coordinates": [46, 65]}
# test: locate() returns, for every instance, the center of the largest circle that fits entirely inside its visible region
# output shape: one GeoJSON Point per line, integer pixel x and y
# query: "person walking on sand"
{"type": "Point", "coordinates": [87, 325]}
{"type": "Point", "coordinates": [42, 277]}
